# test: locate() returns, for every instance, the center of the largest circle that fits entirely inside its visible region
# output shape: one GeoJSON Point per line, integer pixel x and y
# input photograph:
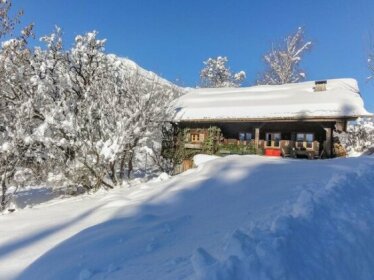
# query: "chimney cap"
{"type": "Point", "coordinates": [321, 82]}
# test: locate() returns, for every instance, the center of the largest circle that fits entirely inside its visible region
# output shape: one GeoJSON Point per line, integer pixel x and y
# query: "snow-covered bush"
{"type": "Point", "coordinates": [79, 114]}
{"type": "Point", "coordinates": [217, 74]}
{"type": "Point", "coordinates": [17, 118]}
{"type": "Point", "coordinates": [359, 136]}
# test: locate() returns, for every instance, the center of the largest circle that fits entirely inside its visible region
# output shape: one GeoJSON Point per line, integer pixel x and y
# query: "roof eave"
{"type": "Point", "coordinates": [276, 119]}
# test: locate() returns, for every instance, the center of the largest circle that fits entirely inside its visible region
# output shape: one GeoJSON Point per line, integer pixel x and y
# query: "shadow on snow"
{"type": "Point", "coordinates": [158, 240]}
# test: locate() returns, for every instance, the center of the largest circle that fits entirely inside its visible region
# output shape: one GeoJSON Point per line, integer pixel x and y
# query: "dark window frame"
{"type": "Point", "coordinates": [196, 136]}
{"type": "Point", "coordinates": [304, 143]}
{"type": "Point", "coordinates": [274, 142]}
{"type": "Point", "coordinates": [245, 136]}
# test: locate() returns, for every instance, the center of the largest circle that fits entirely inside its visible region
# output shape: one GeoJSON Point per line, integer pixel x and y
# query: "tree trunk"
{"type": "Point", "coordinates": [3, 193]}
{"type": "Point", "coordinates": [113, 176]}
{"type": "Point", "coordinates": [129, 165]}
{"type": "Point", "coordinates": [122, 166]}
{"type": "Point", "coordinates": [99, 179]}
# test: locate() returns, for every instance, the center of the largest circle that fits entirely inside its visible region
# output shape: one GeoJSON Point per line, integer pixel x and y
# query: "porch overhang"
{"type": "Point", "coordinates": [283, 119]}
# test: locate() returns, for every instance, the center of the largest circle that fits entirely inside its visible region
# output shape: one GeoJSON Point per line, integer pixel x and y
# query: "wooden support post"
{"type": "Point", "coordinates": [257, 137]}
{"type": "Point", "coordinates": [328, 142]}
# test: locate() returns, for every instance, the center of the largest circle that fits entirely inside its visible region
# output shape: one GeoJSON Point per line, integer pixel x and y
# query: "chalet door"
{"type": "Point", "coordinates": [276, 139]}
{"type": "Point", "coordinates": [268, 139]}
{"type": "Point", "coordinates": [273, 139]}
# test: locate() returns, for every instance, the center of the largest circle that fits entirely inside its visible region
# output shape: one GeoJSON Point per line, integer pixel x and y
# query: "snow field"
{"type": "Point", "coordinates": [325, 234]}
{"type": "Point", "coordinates": [238, 217]}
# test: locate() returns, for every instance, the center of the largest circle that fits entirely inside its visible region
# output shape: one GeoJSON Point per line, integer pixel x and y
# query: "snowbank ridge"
{"type": "Point", "coordinates": [326, 234]}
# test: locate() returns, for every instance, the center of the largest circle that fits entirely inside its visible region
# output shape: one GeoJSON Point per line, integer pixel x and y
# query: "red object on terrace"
{"type": "Point", "coordinates": [273, 152]}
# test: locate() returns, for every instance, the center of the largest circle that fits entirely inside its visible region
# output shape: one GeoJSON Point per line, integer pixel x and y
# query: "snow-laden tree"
{"type": "Point", "coordinates": [283, 61]}
{"type": "Point", "coordinates": [106, 109]}
{"type": "Point", "coordinates": [147, 106]}
{"type": "Point", "coordinates": [8, 22]}
{"type": "Point", "coordinates": [78, 114]}
{"type": "Point", "coordinates": [18, 115]}
{"type": "Point", "coordinates": [359, 136]}
{"type": "Point", "coordinates": [217, 74]}
{"type": "Point", "coordinates": [371, 63]}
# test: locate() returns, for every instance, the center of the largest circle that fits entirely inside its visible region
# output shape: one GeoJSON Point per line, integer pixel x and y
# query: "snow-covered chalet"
{"type": "Point", "coordinates": [296, 119]}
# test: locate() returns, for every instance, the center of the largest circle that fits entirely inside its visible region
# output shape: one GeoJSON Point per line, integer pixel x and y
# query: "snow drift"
{"type": "Point", "coordinates": [325, 234]}
{"type": "Point", "coordinates": [237, 217]}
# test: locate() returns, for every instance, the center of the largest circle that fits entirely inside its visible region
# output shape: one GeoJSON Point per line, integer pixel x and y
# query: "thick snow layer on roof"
{"type": "Point", "coordinates": [341, 99]}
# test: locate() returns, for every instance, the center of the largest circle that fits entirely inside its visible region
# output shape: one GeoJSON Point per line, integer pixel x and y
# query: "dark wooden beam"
{"type": "Point", "coordinates": [254, 120]}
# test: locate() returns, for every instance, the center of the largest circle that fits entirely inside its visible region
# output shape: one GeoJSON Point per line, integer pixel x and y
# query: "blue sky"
{"type": "Point", "coordinates": [172, 38]}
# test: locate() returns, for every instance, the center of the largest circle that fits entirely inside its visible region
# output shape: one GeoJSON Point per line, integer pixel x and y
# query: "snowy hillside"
{"type": "Point", "coordinates": [133, 68]}
{"type": "Point", "coordinates": [238, 217]}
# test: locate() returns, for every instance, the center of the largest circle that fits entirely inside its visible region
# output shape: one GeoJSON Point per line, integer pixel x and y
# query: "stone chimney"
{"type": "Point", "coordinates": [320, 86]}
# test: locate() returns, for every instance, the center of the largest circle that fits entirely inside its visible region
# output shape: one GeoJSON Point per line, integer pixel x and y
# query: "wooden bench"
{"type": "Point", "coordinates": [224, 152]}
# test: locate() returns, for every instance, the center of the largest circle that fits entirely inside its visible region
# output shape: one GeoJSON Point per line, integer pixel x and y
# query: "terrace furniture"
{"type": "Point", "coordinates": [286, 152]}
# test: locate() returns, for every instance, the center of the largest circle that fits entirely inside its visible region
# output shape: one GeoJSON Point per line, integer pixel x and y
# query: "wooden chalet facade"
{"type": "Point", "coordinates": [273, 137]}
{"type": "Point", "coordinates": [288, 120]}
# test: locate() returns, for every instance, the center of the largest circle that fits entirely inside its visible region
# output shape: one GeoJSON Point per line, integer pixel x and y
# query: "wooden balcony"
{"type": "Point", "coordinates": [232, 141]}
{"type": "Point", "coordinates": [193, 145]}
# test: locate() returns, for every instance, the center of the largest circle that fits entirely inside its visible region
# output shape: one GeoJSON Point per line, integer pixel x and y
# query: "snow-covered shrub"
{"type": "Point", "coordinates": [359, 136]}
{"type": "Point", "coordinates": [79, 114]}
{"type": "Point", "coordinates": [159, 159]}
{"type": "Point", "coordinates": [167, 153]}
{"type": "Point", "coordinates": [210, 144]}
{"type": "Point", "coordinates": [17, 118]}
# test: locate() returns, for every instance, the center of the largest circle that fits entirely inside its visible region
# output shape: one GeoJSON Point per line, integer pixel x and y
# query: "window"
{"type": "Point", "coordinates": [304, 140]}
{"type": "Point", "coordinates": [195, 137]}
{"type": "Point", "coordinates": [273, 139]}
{"type": "Point", "coordinates": [245, 136]}
{"type": "Point", "coordinates": [300, 140]}
{"type": "Point", "coordinates": [309, 137]}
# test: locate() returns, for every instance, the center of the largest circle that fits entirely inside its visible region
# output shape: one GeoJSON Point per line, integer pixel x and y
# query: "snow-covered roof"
{"type": "Point", "coordinates": [340, 99]}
